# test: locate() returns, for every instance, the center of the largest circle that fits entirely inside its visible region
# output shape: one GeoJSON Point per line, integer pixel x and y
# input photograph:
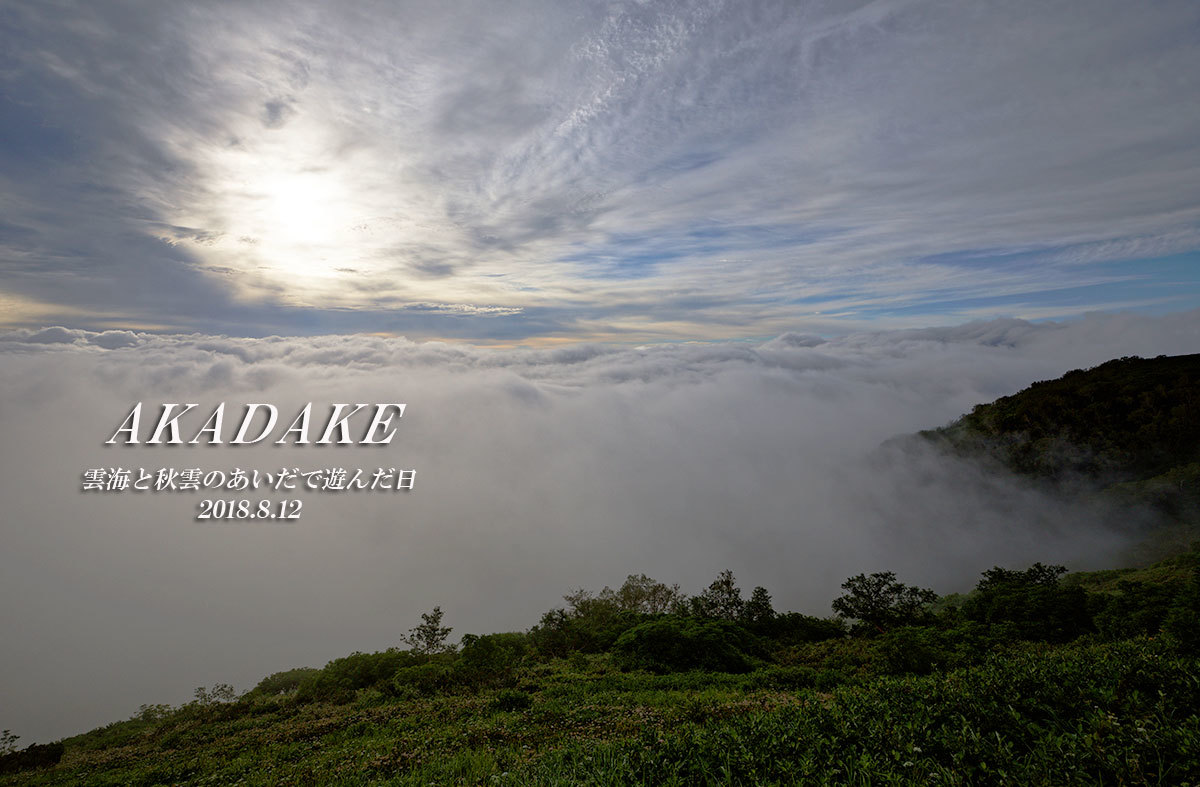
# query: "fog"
{"type": "Point", "coordinates": [538, 471]}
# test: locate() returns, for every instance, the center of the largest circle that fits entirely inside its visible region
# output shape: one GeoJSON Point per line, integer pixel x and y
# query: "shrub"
{"type": "Point", "coordinates": [284, 682]}
{"type": "Point", "coordinates": [910, 649]}
{"type": "Point", "coordinates": [698, 709]}
{"type": "Point", "coordinates": [792, 628]}
{"type": "Point", "coordinates": [674, 644]}
{"type": "Point", "coordinates": [37, 755]}
{"type": "Point", "coordinates": [1139, 608]}
{"type": "Point", "coordinates": [1073, 715]}
{"type": "Point", "coordinates": [919, 650]}
{"type": "Point", "coordinates": [592, 628]}
{"type": "Point", "coordinates": [219, 693]}
{"type": "Point", "coordinates": [8, 742]}
{"type": "Point", "coordinates": [829, 679]}
{"type": "Point", "coordinates": [1182, 623]}
{"type": "Point", "coordinates": [786, 678]}
{"type": "Point", "coordinates": [1030, 604]}
{"type": "Point", "coordinates": [422, 679]}
{"type": "Point", "coordinates": [340, 678]}
{"type": "Point", "coordinates": [491, 658]}
{"type": "Point", "coordinates": [510, 700]}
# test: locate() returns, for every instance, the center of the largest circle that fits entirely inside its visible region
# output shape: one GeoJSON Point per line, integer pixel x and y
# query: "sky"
{"type": "Point", "coordinates": [657, 282]}
{"type": "Point", "coordinates": [549, 172]}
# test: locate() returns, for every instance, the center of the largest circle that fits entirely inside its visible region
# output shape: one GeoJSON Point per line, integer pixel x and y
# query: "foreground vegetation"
{"type": "Point", "coordinates": [1029, 679]}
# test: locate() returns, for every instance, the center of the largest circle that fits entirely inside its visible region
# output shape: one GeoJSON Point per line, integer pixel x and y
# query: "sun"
{"type": "Point", "coordinates": [302, 209]}
{"type": "Point", "coordinates": [289, 218]}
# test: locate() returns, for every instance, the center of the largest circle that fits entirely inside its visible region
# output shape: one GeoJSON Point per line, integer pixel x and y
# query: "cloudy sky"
{"type": "Point", "coordinates": [655, 280]}
{"type": "Point", "coordinates": [532, 172]}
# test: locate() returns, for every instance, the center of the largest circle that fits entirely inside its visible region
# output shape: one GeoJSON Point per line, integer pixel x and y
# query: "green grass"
{"type": "Point", "coordinates": [1174, 570]}
{"type": "Point", "coordinates": [1122, 713]}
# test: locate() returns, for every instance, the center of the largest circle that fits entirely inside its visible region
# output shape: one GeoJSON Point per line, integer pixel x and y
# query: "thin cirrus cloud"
{"type": "Point", "coordinates": [571, 170]}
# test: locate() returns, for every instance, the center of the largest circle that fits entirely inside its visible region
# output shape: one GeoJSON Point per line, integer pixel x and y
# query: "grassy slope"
{"type": "Point", "coordinates": [1077, 714]}
{"type": "Point", "coordinates": [1174, 570]}
{"type": "Point", "coordinates": [1080, 713]}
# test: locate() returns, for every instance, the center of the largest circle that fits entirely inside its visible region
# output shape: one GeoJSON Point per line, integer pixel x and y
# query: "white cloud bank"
{"type": "Point", "coordinates": [538, 471]}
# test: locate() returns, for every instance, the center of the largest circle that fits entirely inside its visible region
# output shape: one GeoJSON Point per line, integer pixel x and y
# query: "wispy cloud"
{"type": "Point", "coordinates": [566, 169]}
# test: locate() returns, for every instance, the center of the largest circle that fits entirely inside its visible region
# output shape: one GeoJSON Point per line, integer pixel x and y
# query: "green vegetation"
{"type": "Point", "coordinates": [1130, 427]}
{"type": "Point", "coordinates": [675, 644]}
{"type": "Point", "coordinates": [879, 602]}
{"type": "Point", "coordinates": [1032, 678]}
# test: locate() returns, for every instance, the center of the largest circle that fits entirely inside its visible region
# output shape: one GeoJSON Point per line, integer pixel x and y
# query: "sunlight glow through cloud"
{"type": "Point", "coordinates": [628, 171]}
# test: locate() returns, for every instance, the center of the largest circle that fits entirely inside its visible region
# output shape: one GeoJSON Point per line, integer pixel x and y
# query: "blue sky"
{"type": "Point", "coordinates": [537, 172]}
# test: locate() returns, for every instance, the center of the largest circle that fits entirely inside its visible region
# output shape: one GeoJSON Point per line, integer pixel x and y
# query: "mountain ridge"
{"type": "Point", "coordinates": [1128, 428]}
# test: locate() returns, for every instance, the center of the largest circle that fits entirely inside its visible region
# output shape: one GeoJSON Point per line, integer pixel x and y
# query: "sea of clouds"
{"type": "Point", "coordinates": [538, 471]}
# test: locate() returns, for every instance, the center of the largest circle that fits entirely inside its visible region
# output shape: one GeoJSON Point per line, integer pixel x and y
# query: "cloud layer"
{"type": "Point", "coordinates": [538, 471]}
{"type": "Point", "coordinates": [595, 170]}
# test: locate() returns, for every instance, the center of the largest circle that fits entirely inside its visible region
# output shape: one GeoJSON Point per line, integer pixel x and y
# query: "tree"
{"type": "Point", "coordinates": [639, 594]}
{"type": "Point", "coordinates": [491, 658]}
{"type": "Point", "coordinates": [1030, 604]}
{"type": "Point", "coordinates": [592, 622]}
{"type": "Point", "coordinates": [722, 600]}
{"type": "Point", "coordinates": [758, 610]}
{"type": "Point", "coordinates": [430, 636]}
{"type": "Point", "coordinates": [8, 742]}
{"type": "Point", "coordinates": [672, 644]}
{"type": "Point", "coordinates": [879, 602]}
{"type": "Point", "coordinates": [647, 596]}
{"type": "Point", "coordinates": [221, 692]}
{"type": "Point", "coordinates": [1035, 575]}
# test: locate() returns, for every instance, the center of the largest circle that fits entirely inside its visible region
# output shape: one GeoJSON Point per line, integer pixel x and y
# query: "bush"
{"type": "Point", "coordinates": [829, 679]}
{"type": "Point", "coordinates": [422, 679]}
{"type": "Point", "coordinates": [786, 678]}
{"type": "Point", "coordinates": [340, 678]}
{"type": "Point", "coordinates": [698, 709]}
{"type": "Point", "coordinates": [1182, 623]}
{"type": "Point", "coordinates": [38, 755]}
{"type": "Point", "coordinates": [909, 650]}
{"type": "Point", "coordinates": [919, 650]}
{"type": "Point", "coordinates": [591, 629]}
{"type": "Point", "coordinates": [674, 644]}
{"type": "Point", "coordinates": [1073, 715]}
{"type": "Point", "coordinates": [1139, 608]}
{"type": "Point", "coordinates": [792, 628]}
{"type": "Point", "coordinates": [491, 658]}
{"type": "Point", "coordinates": [510, 700]}
{"type": "Point", "coordinates": [284, 682]}
{"type": "Point", "coordinates": [1030, 605]}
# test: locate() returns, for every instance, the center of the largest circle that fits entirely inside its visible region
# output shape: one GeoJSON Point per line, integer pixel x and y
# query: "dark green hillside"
{"type": "Point", "coordinates": [1130, 426]}
{"type": "Point", "coordinates": [1172, 571]}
